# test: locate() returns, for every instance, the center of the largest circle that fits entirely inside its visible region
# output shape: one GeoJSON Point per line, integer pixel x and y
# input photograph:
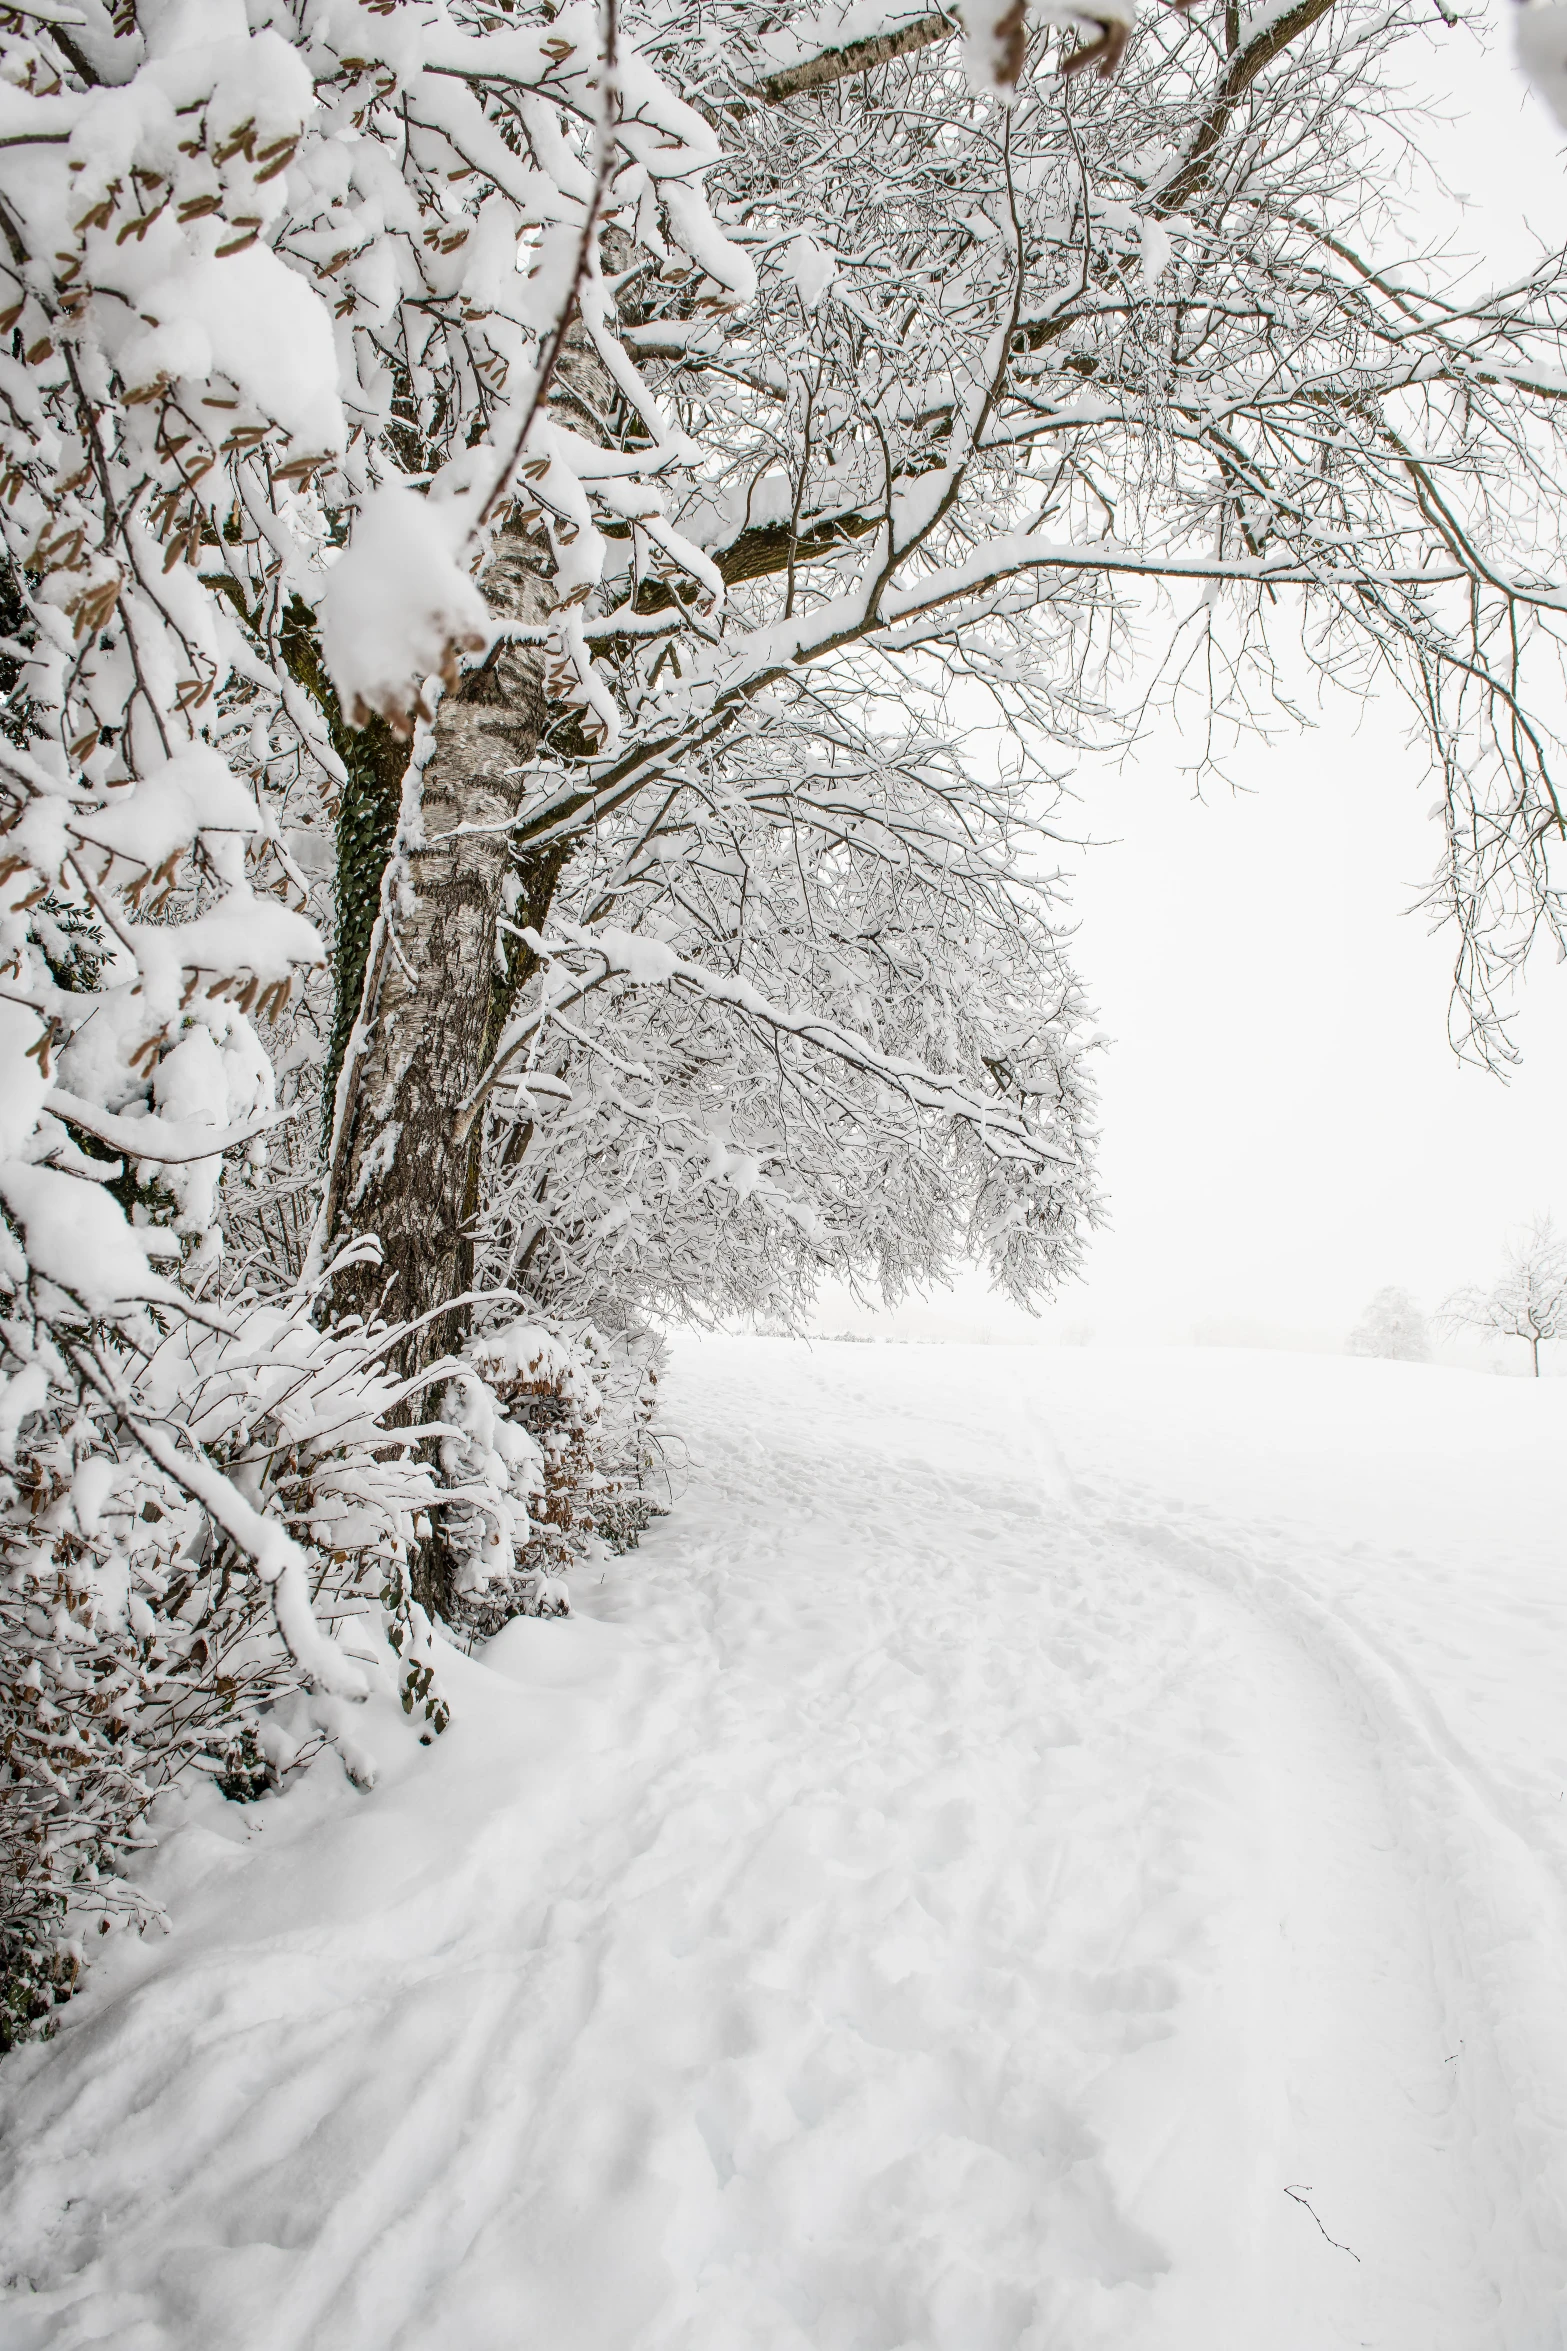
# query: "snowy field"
{"type": "Point", "coordinates": [1044, 1850]}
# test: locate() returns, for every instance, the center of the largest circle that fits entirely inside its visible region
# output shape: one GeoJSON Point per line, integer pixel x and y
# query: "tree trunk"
{"type": "Point", "coordinates": [443, 975]}
{"type": "Point", "coordinates": [430, 1012]}
{"type": "Point", "coordinates": [375, 760]}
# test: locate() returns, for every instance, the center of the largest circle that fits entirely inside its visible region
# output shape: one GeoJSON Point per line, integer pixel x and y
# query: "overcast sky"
{"type": "Point", "coordinates": [1285, 1126]}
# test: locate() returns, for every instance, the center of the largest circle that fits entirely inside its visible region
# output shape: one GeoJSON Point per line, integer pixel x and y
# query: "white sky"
{"type": "Point", "coordinates": [1285, 1128]}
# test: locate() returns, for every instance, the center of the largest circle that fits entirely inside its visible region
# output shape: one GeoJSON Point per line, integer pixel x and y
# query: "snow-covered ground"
{"type": "Point", "coordinates": [1044, 1850]}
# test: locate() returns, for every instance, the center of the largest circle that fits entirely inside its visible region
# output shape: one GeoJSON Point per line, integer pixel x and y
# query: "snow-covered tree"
{"type": "Point", "coordinates": [192, 420]}
{"type": "Point", "coordinates": [1005, 366]}
{"type": "Point", "coordinates": [1527, 1301]}
{"type": "Point", "coordinates": [1393, 1327]}
{"type": "Point", "coordinates": [522, 529]}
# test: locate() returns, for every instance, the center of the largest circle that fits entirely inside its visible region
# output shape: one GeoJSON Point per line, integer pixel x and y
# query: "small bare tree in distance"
{"type": "Point", "coordinates": [1528, 1301]}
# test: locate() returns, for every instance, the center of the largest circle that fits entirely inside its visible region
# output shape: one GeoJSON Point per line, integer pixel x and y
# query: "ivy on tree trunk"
{"type": "Point", "coordinates": [427, 1008]}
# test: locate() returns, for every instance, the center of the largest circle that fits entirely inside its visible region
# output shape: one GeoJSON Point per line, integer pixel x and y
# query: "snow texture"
{"type": "Point", "coordinates": [1043, 1852]}
{"type": "Point", "coordinates": [812, 268]}
{"type": "Point", "coordinates": [398, 605]}
{"type": "Point", "coordinates": [77, 1238]}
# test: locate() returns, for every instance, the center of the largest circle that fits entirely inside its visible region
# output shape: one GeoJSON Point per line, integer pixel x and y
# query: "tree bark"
{"type": "Point", "coordinates": [855, 57]}
{"type": "Point", "coordinates": [430, 1010]}
{"type": "Point", "coordinates": [442, 974]}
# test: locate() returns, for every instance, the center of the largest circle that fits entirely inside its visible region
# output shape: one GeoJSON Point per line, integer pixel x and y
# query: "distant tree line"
{"type": "Point", "coordinates": [1527, 1301]}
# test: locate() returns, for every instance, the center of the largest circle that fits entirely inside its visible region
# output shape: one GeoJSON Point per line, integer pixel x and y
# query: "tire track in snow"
{"type": "Point", "coordinates": [1492, 1888]}
{"type": "Point", "coordinates": [1493, 1906]}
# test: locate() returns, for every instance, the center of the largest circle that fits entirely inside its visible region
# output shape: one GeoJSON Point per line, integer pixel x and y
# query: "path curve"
{"type": "Point", "coordinates": [932, 1899]}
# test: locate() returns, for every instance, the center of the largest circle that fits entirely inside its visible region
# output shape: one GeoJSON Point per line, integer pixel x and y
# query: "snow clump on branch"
{"type": "Point", "coordinates": [397, 606]}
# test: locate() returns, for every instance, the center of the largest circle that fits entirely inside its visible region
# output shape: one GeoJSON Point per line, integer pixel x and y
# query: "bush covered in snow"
{"type": "Point", "coordinates": [137, 1639]}
{"type": "Point", "coordinates": [188, 1514]}
{"type": "Point", "coordinates": [536, 1469]}
{"type": "Point", "coordinates": [1394, 1327]}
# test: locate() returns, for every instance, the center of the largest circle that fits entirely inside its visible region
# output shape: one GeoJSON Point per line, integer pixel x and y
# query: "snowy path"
{"type": "Point", "coordinates": [1018, 1819]}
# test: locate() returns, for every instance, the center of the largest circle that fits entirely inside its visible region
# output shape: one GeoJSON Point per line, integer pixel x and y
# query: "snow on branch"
{"type": "Point", "coordinates": [648, 963]}
{"type": "Point", "coordinates": [398, 607]}
{"type": "Point", "coordinates": [250, 263]}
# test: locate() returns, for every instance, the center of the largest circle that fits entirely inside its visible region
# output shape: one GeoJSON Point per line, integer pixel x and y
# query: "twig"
{"type": "Point", "coordinates": [1298, 2195]}
{"type": "Point", "coordinates": [555, 341]}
